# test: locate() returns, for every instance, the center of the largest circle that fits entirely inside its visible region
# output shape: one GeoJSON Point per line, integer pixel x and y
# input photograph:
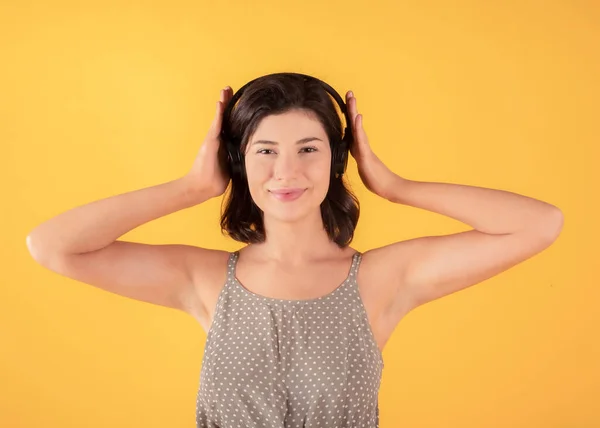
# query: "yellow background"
{"type": "Point", "coordinates": [100, 98]}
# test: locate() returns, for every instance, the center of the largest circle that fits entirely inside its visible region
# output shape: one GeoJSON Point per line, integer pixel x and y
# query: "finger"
{"type": "Point", "coordinates": [217, 120]}
{"type": "Point", "coordinates": [225, 96]}
{"type": "Point", "coordinates": [349, 96]}
{"type": "Point", "coordinates": [215, 126]}
{"type": "Point", "coordinates": [360, 130]}
{"type": "Point", "coordinates": [352, 110]}
{"type": "Point", "coordinates": [228, 95]}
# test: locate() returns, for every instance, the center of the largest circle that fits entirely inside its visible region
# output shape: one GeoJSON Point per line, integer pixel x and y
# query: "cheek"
{"type": "Point", "coordinates": [256, 177]}
{"type": "Point", "coordinates": [255, 185]}
{"type": "Point", "coordinates": [256, 171]}
{"type": "Point", "coordinates": [322, 167]}
{"type": "Point", "coordinates": [319, 175]}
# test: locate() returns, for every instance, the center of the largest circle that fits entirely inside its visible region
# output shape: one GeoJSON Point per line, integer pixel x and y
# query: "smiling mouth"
{"type": "Point", "coordinates": [285, 195]}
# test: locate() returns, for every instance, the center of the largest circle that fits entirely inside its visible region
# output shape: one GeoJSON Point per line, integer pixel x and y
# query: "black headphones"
{"type": "Point", "coordinates": [339, 149]}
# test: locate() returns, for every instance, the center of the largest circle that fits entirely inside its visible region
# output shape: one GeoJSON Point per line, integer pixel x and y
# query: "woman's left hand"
{"type": "Point", "coordinates": [376, 177]}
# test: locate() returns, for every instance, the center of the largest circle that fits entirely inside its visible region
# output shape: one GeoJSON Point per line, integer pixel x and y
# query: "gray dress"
{"type": "Point", "coordinates": [277, 363]}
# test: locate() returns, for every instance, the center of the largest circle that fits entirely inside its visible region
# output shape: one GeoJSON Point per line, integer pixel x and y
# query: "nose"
{"type": "Point", "coordinates": [286, 166]}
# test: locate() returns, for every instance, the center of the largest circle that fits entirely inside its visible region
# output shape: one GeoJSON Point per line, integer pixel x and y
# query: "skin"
{"type": "Point", "coordinates": [297, 261]}
{"type": "Point", "coordinates": [508, 228]}
{"type": "Point", "coordinates": [295, 233]}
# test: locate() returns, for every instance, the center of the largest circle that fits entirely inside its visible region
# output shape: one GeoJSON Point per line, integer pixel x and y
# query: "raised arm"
{"type": "Point", "coordinates": [82, 243]}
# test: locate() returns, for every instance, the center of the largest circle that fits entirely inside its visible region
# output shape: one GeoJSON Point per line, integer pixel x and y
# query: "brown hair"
{"type": "Point", "coordinates": [241, 218]}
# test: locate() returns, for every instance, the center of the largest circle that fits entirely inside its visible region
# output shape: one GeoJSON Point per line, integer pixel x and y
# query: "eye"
{"type": "Point", "coordinates": [304, 150]}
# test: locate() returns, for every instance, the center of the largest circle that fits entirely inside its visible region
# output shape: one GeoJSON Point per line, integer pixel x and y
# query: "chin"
{"type": "Point", "coordinates": [291, 211]}
{"type": "Point", "coordinates": [287, 214]}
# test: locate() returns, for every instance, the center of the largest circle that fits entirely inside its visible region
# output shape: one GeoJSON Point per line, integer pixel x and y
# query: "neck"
{"type": "Point", "coordinates": [299, 242]}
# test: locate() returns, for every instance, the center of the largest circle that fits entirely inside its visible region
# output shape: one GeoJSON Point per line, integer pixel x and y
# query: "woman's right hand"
{"type": "Point", "coordinates": [209, 176]}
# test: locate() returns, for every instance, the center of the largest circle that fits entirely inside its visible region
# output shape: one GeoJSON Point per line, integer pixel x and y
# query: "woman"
{"type": "Point", "coordinates": [295, 328]}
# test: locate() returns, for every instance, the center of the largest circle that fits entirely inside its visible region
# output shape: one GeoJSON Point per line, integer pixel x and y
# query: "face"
{"type": "Point", "coordinates": [288, 165]}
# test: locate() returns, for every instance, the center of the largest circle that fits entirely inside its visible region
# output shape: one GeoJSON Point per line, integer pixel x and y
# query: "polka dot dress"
{"type": "Point", "coordinates": [289, 363]}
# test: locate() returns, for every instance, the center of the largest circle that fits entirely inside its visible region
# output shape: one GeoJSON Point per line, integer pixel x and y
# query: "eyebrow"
{"type": "Point", "coordinates": [274, 143]}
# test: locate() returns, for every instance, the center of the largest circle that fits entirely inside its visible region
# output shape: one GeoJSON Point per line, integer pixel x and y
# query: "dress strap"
{"type": "Point", "coordinates": [356, 258]}
{"type": "Point", "coordinates": [231, 263]}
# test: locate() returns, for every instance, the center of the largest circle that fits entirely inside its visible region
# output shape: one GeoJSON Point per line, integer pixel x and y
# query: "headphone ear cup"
{"type": "Point", "coordinates": [339, 158]}
{"type": "Point", "coordinates": [234, 157]}
{"type": "Point", "coordinates": [236, 162]}
{"type": "Point", "coordinates": [340, 154]}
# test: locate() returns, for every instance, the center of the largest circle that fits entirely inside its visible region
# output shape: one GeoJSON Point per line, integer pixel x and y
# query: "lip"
{"type": "Point", "coordinates": [287, 194]}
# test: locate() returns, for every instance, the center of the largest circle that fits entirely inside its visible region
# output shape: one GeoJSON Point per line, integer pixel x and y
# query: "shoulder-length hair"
{"type": "Point", "coordinates": [241, 218]}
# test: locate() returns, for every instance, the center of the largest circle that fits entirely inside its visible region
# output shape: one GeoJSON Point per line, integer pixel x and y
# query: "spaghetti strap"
{"type": "Point", "coordinates": [356, 258]}
{"type": "Point", "coordinates": [231, 264]}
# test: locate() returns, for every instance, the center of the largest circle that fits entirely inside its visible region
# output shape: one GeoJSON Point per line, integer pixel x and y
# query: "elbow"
{"type": "Point", "coordinates": [550, 227]}
{"type": "Point", "coordinates": [38, 252]}
{"type": "Point", "coordinates": [33, 248]}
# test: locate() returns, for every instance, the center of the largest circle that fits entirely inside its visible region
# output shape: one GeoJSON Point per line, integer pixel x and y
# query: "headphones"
{"type": "Point", "coordinates": [339, 149]}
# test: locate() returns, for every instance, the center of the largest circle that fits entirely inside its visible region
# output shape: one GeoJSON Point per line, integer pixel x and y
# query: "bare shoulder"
{"type": "Point", "coordinates": [382, 276]}
{"type": "Point", "coordinates": [208, 268]}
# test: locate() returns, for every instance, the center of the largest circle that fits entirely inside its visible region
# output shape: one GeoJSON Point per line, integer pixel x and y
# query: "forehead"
{"type": "Point", "coordinates": [289, 127]}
